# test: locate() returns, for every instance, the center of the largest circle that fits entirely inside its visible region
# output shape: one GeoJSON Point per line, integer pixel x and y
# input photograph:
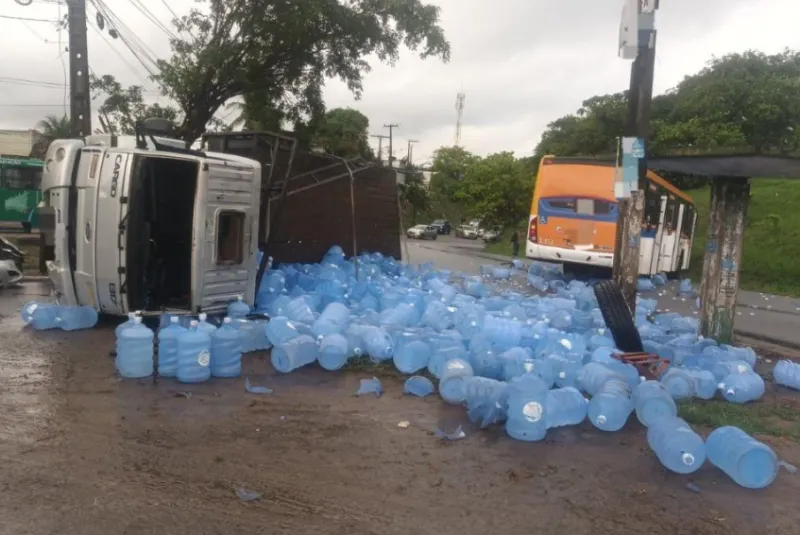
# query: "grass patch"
{"type": "Point", "coordinates": [771, 238]}
{"type": "Point", "coordinates": [768, 417]}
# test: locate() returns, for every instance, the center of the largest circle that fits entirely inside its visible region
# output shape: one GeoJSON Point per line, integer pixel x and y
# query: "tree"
{"type": "Point", "coordinates": [277, 54]}
{"type": "Point", "coordinates": [449, 166]}
{"type": "Point", "coordinates": [344, 132]}
{"type": "Point", "coordinates": [120, 108]}
{"type": "Point", "coordinates": [55, 127]}
{"type": "Point", "coordinates": [413, 193]}
{"type": "Point", "coordinates": [498, 190]}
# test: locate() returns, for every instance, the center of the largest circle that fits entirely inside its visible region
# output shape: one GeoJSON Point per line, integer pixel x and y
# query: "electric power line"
{"type": "Point", "coordinates": [152, 18]}
{"type": "Point", "coordinates": [119, 54]}
{"type": "Point", "coordinates": [30, 19]}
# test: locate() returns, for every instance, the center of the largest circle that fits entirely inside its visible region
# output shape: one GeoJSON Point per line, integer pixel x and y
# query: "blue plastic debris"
{"type": "Point", "coordinates": [418, 386]}
{"type": "Point", "coordinates": [370, 386]}
{"type": "Point", "coordinates": [255, 389]}
{"type": "Point", "coordinates": [248, 496]}
{"type": "Point", "coordinates": [458, 434]}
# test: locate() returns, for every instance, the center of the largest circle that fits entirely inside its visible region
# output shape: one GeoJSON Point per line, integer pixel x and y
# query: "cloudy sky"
{"type": "Point", "coordinates": [521, 63]}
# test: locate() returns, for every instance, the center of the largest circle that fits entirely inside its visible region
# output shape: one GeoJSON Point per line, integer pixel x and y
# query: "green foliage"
{"type": "Point", "coordinates": [414, 195]}
{"type": "Point", "coordinates": [55, 126]}
{"type": "Point", "coordinates": [278, 53]}
{"type": "Point", "coordinates": [120, 108]}
{"type": "Point", "coordinates": [449, 167]}
{"type": "Point", "coordinates": [771, 239]}
{"type": "Point", "coordinates": [344, 133]}
{"type": "Point", "coordinates": [742, 103]}
{"type": "Point", "coordinates": [497, 190]}
{"type": "Point", "coordinates": [771, 416]}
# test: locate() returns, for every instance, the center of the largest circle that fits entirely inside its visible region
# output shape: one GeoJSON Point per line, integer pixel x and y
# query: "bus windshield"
{"type": "Point", "coordinates": [20, 179]}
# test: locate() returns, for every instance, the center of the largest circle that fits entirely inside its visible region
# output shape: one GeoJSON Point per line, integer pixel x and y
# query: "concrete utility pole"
{"type": "Point", "coordinates": [410, 148]}
{"type": "Point", "coordinates": [391, 128]}
{"type": "Point", "coordinates": [80, 103]}
{"type": "Point", "coordinates": [634, 145]}
{"type": "Point", "coordinates": [380, 146]}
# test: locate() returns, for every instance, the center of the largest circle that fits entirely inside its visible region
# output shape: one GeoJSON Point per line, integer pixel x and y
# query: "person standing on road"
{"type": "Point", "coordinates": [515, 243]}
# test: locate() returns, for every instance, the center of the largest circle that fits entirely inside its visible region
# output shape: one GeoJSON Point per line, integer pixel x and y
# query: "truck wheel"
{"type": "Point", "coordinates": [617, 317]}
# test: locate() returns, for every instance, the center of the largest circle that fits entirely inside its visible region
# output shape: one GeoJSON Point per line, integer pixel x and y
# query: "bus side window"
{"type": "Point", "coordinates": [673, 212]}
{"type": "Point", "coordinates": [688, 221]}
{"type": "Point", "coordinates": [652, 205]}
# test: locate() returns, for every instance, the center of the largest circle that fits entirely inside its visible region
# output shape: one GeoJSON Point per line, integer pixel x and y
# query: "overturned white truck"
{"type": "Point", "coordinates": [141, 223]}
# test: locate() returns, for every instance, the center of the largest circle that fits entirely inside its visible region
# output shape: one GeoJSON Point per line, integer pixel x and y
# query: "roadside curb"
{"type": "Point", "coordinates": [769, 339]}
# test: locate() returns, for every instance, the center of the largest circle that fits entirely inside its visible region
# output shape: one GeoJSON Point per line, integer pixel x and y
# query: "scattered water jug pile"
{"type": "Point", "coordinates": [528, 362]}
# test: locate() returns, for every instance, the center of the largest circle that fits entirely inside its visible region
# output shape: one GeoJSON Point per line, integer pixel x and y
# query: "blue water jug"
{"type": "Point", "coordinates": [565, 406]}
{"type": "Point", "coordinates": [77, 317]}
{"type": "Point", "coordinates": [418, 385]}
{"type": "Point", "coordinates": [295, 353]}
{"type": "Point", "coordinates": [134, 358]}
{"type": "Point", "coordinates": [486, 400]}
{"type": "Point", "coordinates": [722, 369]}
{"type": "Point", "coordinates": [168, 348]}
{"type": "Point", "coordinates": [411, 353]}
{"type": "Point", "coordinates": [124, 325]}
{"type": "Point", "coordinates": [676, 445]}
{"type": "Point", "coordinates": [280, 330]}
{"type": "Point", "coordinates": [333, 352]}
{"type": "Point", "coordinates": [787, 373]}
{"type": "Point", "coordinates": [611, 406]}
{"type": "Point", "coordinates": [705, 385]}
{"type": "Point", "coordinates": [194, 355]}
{"type": "Point", "coordinates": [652, 401]}
{"type": "Point", "coordinates": [45, 317]}
{"type": "Point", "coordinates": [27, 310]}
{"type": "Point", "coordinates": [742, 387]}
{"type": "Point", "coordinates": [505, 333]}
{"type": "Point", "coordinates": [442, 355]}
{"type": "Point", "coordinates": [226, 351]}
{"type": "Point", "coordinates": [451, 384]}
{"type": "Point", "coordinates": [750, 463]}
{"type": "Point", "coordinates": [679, 383]}
{"type": "Point", "coordinates": [593, 375]}
{"type": "Point", "coordinates": [299, 309]}
{"type": "Point", "coordinates": [378, 344]}
{"type": "Point", "coordinates": [334, 319]}
{"type": "Point", "coordinates": [437, 316]}
{"type": "Point", "coordinates": [527, 408]}
{"type": "Point", "coordinates": [238, 309]}
{"type": "Point", "coordinates": [204, 325]}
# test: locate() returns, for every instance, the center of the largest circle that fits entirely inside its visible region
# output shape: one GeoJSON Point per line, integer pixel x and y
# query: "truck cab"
{"type": "Point", "coordinates": [142, 224]}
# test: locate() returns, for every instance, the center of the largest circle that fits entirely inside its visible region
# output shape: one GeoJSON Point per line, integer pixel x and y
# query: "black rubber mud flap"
{"type": "Point", "coordinates": [618, 317]}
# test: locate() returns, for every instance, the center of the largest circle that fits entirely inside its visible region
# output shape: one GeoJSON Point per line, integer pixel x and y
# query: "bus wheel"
{"type": "Point", "coordinates": [26, 227]}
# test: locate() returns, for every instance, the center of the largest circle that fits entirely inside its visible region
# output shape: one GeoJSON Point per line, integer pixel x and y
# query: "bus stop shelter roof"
{"type": "Point", "coordinates": [732, 166]}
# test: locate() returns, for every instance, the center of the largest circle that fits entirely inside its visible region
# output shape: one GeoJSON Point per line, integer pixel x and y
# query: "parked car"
{"type": "Point", "coordinates": [422, 232]}
{"type": "Point", "coordinates": [442, 226]}
{"type": "Point", "coordinates": [11, 261]}
{"type": "Point", "coordinates": [467, 232]}
{"type": "Point", "coordinates": [491, 236]}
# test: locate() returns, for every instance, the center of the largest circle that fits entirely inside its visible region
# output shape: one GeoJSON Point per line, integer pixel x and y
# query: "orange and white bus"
{"type": "Point", "coordinates": [574, 217]}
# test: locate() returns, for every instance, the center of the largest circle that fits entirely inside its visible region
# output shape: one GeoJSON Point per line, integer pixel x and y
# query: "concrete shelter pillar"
{"type": "Point", "coordinates": [720, 285]}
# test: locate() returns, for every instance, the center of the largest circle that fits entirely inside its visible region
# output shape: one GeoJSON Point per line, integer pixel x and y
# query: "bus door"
{"type": "Point", "coordinates": [655, 211]}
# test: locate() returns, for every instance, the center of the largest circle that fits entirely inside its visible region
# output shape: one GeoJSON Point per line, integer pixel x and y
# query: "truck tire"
{"type": "Point", "coordinates": [618, 317]}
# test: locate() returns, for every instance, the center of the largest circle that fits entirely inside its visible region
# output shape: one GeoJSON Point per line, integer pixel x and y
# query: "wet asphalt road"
{"type": "Point", "coordinates": [765, 317]}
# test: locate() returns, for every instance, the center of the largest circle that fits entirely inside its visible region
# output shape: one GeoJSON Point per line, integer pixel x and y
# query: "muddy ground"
{"type": "Point", "coordinates": [84, 453]}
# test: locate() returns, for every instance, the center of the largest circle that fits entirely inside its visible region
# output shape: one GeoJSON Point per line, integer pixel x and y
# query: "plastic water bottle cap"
{"type": "Point", "coordinates": [137, 320]}
{"type": "Point", "coordinates": [562, 375]}
{"type": "Point", "coordinates": [194, 323]}
{"type": "Point", "coordinates": [226, 321]}
{"type": "Point", "coordinates": [202, 316]}
{"type": "Point", "coordinates": [688, 459]}
{"type": "Point", "coordinates": [357, 351]}
{"type": "Point", "coordinates": [174, 319]}
{"type": "Point", "coordinates": [131, 315]}
{"type": "Point", "coordinates": [730, 391]}
{"type": "Point", "coordinates": [721, 386]}
{"type": "Point", "coordinates": [601, 419]}
{"type": "Point", "coordinates": [138, 312]}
